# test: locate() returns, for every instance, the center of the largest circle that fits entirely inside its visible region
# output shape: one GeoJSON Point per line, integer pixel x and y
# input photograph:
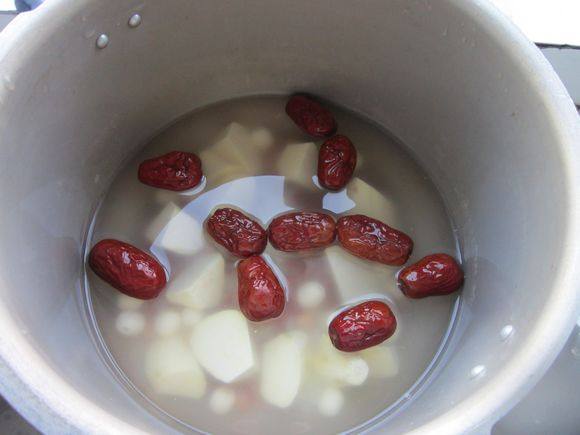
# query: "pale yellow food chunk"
{"type": "Point", "coordinates": [201, 286]}
{"type": "Point", "coordinates": [174, 230]}
{"type": "Point", "coordinates": [221, 343]}
{"type": "Point", "coordinates": [355, 277]}
{"type": "Point", "coordinates": [237, 154]}
{"type": "Point", "coordinates": [310, 294]}
{"type": "Point", "coordinates": [382, 360]}
{"type": "Point", "coordinates": [338, 367]}
{"type": "Point", "coordinates": [262, 138]}
{"type": "Point", "coordinates": [128, 303]}
{"type": "Point", "coordinates": [298, 163]}
{"type": "Point", "coordinates": [171, 369]}
{"type": "Point", "coordinates": [331, 402]}
{"type": "Point", "coordinates": [281, 370]}
{"type": "Point", "coordinates": [222, 400]}
{"type": "Point", "coordinates": [130, 323]}
{"type": "Point", "coordinates": [190, 317]}
{"type": "Point", "coordinates": [370, 202]}
{"type": "Point", "coordinates": [219, 170]}
{"type": "Point", "coordinates": [157, 224]}
{"type": "Point", "coordinates": [167, 323]}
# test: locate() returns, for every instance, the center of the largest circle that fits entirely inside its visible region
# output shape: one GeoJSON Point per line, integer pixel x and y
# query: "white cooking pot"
{"type": "Point", "coordinates": [471, 98]}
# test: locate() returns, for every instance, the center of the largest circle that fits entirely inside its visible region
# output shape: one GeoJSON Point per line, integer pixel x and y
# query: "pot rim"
{"type": "Point", "coordinates": [49, 403]}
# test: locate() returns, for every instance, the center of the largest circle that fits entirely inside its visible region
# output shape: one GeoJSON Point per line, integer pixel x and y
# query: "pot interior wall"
{"type": "Point", "coordinates": [426, 71]}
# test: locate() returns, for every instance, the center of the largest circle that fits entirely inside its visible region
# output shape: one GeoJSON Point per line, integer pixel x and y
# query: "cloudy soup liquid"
{"type": "Point", "coordinates": [282, 375]}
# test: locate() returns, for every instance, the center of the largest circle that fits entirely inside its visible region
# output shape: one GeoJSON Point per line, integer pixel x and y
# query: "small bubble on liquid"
{"type": "Point", "coordinates": [477, 371]}
{"type": "Point", "coordinates": [102, 41]}
{"type": "Point", "coordinates": [445, 31]}
{"type": "Point", "coordinates": [134, 21]}
{"type": "Point", "coordinates": [506, 332]}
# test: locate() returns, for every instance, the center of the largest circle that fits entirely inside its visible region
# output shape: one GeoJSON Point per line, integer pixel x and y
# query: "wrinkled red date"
{"type": "Point", "coordinates": [374, 240]}
{"type": "Point", "coordinates": [128, 269]}
{"type": "Point", "coordinates": [260, 294]}
{"type": "Point", "coordinates": [310, 116]}
{"type": "Point", "coordinates": [237, 233]}
{"type": "Point", "coordinates": [300, 231]}
{"type": "Point", "coordinates": [362, 326]}
{"type": "Point", "coordinates": [336, 162]}
{"type": "Point", "coordinates": [433, 275]}
{"type": "Point", "coordinates": [176, 170]}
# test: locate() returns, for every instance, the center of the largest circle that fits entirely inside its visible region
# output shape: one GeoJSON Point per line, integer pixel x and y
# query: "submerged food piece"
{"type": "Point", "coordinates": [171, 369]}
{"type": "Point", "coordinates": [374, 240]}
{"type": "Point", "coordinates": [128, 269]}
{"type": "Point", "coordinates": [190, 317]}
{"type": "Point", "coordinates": [433, 275]}
{"type": "Point", "coordinates": [222, 400]}
{"type": "Point", "coordinates": [383, 361]}
{"type": "Point", "coordinates": [221, 344]}
{"type": "Point", "coordinates": [336, 162]}
{"type": "Point", "coordinates": [167, 323]}
{"type": "Point", "coordinates": [300, 231]}
{"type": "Point", "coordinates": [130, 323]}
{"type": "Point", "coordinates": [157, 224]}
{"type": "Point", "coordinates": [362, 326]}
{"type": "Point", "coordinates": [310, 294]}
{"type": "Point", "coordinates": [337, 367]}
{"type": "Point", "coordinates": [262, 138]}
{"type": "Point", "coordinates": [260, 294]}
{"type": "Point", "coordinates": [201, 285]}
{"type": "Point", "coordinates": [237, 154]}
{"type": "Point", "coordinates": [370, 202]}
{"type": "Point", "coordinates": [355, 277]}
{"type": "Point", "coordinates": [237, 233]}
{"type": "Point", "coordinates": [331, 402]}
{"type": "Point", "coordinates": [310, 116]}
{"type": "Point", "coordinates": [298, 163]}
{"type": "Point", "coordinates": [128, 303]}
{"type": "Point", "coordinates": [180, 232]}
{"type": "Point", "coordinates": [281, 370]}
{"type": "Point", "coordinates": [176, 170]}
